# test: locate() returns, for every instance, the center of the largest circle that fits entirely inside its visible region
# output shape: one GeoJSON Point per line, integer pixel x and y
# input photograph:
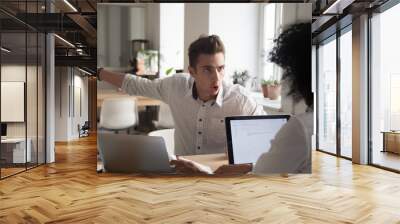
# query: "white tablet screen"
{"type": "Point", "coordinates": [251, 138]}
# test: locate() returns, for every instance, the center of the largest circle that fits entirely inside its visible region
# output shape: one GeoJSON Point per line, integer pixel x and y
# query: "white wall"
{"type": "Point", "coordinates": [295, 13]}
{"type": "Point", "coordinates": [238, 26]}
{"type": "Point", "coordinates": [62, 81]}
{"type": "Point", "coordinates": [67, 114]}
{"type": "Point", "coordinates": [153, 25]}
{"type": "Point", "coordinates": [196, 23]}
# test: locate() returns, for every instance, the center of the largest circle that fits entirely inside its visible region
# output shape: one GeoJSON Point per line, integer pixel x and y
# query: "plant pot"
{"type": "Point", "coordinates": [265, 90]}
{"type": "Point", "coordinates": [274, 92]}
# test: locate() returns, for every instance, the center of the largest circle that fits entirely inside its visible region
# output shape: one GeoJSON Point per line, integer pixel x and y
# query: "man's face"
{"type": "Point", "coordinates": [208, 74]}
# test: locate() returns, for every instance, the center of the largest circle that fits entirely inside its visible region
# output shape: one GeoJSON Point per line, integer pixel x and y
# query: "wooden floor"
{"type": "Point", "coordinates": [70, 191]}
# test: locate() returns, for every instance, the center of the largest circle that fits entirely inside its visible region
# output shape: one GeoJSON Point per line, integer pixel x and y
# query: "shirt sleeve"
{"type": "Point", "coordinates": [158, 89]}
{"type": "Point", "coordinates": [289, 151]}
{"type": "Point", "coordinates": [251, 107]}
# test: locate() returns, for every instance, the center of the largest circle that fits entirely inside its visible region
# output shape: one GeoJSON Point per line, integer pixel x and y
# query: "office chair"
{"type": "Point", "coordinates": [118, 114]}
{"type": "Point", "coordinates": [84, 130]}
{"type": "Point", "coordinates": [165, 119]}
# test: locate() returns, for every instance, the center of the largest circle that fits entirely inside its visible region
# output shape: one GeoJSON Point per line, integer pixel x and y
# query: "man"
{"type": "Point", "coordinates": [199, 102]}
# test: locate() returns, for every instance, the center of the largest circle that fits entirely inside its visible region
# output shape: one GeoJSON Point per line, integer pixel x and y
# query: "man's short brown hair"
{"type": "Point", "coordinates": [205, 45]}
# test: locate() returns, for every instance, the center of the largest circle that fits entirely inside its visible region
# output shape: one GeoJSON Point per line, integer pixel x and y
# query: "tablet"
{"type": "Point", "coordinates": [250, 136]}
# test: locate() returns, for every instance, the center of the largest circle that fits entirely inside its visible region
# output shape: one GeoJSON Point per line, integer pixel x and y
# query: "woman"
{"type": "Point", "coordinates": [290, 150]}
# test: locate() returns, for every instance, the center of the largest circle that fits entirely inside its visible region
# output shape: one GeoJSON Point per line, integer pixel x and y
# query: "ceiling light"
{"type": "Point", "coordinates": [5, 50]}
{"type": "Point", "coordinates": [86, 72]}
{"type": "Point", "coordinates": [70, 5]}
{"type": "Point", "coordinates": [65, 41]}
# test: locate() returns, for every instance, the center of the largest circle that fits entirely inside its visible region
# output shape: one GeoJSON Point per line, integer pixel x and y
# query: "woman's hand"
{"type": "Point", "coordinates": [234, 169]}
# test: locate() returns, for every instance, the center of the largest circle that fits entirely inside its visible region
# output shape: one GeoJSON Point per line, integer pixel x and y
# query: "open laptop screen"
{"type": "Point", "coordinates": [250, 136]}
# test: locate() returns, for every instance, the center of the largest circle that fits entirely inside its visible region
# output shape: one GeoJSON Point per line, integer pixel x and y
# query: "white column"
{"type": "Point", "coordinates": [50, 99]}
{"type": "Point", "coordinates": [360, 90]}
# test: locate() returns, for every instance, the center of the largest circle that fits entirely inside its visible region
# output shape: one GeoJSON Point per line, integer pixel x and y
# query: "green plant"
{"type": "Point", "coordinates": [270, 82]}
{"type": "Point", "coordinates": [169, 71]}
{"type": "Point", "coordinates": [240, 77]}
{"type": "Point", "coordinates": [150, 58]}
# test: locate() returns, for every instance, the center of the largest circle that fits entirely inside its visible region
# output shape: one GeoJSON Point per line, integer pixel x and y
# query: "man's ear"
{"type": "Point", "coordinates": [192, 71]}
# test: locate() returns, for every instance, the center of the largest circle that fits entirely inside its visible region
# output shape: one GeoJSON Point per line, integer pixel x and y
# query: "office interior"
{"type": "Point", "coordinates": [49, 103]}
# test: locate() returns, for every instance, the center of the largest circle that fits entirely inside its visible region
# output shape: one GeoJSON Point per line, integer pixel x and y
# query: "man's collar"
{"type": "Point", "coordinates": [189, 92]}
{"type": "Point", "coordinates": [220, 97]}
{"type": "Point", "coordinates": [192, 92]}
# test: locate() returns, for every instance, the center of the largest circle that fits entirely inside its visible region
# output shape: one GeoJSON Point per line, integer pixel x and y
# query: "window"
{"type": "Point", "coordinates": [171, 37]}
{"type": "Point", "coordinates": [327, 96]}
{"type": "Point", "coordinates": [385, 87]}
{"type": "Point", "coordinates": [268, 39]}
{"type": "Point", "coordinates": [346, 94]}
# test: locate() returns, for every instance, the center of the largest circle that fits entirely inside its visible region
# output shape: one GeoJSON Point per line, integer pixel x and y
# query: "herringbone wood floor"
{"type": "Point", "coordinates": [70, 191]}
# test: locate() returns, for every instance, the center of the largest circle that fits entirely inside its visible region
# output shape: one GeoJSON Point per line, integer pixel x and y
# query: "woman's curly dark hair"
{"type": "Point", "coordinates": [292, 52]}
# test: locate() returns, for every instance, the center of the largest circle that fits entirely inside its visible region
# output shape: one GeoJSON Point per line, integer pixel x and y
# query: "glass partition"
{"type": "Point", "coordinates": [22, 88]}
{"type": "Point", "coordinates": [14, 152]}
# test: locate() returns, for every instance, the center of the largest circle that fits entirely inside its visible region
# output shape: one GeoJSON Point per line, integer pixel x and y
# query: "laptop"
{"type": "Point", "coordinates": [122, 153]}
{"type": "Point", "coordinates": [250, 136]}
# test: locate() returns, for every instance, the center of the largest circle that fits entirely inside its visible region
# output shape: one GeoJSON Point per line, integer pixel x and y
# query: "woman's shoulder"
{"type": "Point", "coordinates": [298, 125]}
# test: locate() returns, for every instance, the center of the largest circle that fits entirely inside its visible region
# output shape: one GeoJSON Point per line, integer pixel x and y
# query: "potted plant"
{"type": "Point", "coordinates": [264, 87]}
{"type": "Point", "coordinates": [271, 88]}
{"type": "Point", "coordinates": [150, 58]}
{"type": "Point", "coordinates": [240, 77]}
{"type": "Point", "coordinates": [274, 89]}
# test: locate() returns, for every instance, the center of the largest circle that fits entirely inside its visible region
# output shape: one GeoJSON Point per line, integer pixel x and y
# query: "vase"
{"type": "Point", "coordinates": [274, 92]}
{"type": "Point", "coordinates": [265, 90]}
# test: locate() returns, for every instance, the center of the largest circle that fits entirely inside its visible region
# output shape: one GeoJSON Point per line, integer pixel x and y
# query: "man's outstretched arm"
{"type": "Point", "coordinates": [114, 78]}
{"type": "Point", "coordinates": [133, 85]}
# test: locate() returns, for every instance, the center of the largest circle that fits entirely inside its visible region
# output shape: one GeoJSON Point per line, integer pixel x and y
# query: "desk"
{"type": "Point", "coordinates": [391, 141]}
{"type": "Point", "coordinates": [13, 150]}
{"type": "Point", "coordinates": [212, 160]}
{"type": "Point", "coordinates": [141, 101]}
{"type": "Point", "coordinates": [270, 106]}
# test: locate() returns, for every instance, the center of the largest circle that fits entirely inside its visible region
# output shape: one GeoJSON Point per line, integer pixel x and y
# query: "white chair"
{"type": "Point", "coordinates": [165, 119]}
{"type": "Point", "coordinates": [168, 136]}
{"type": "Point", "coordinates": [118, 114]}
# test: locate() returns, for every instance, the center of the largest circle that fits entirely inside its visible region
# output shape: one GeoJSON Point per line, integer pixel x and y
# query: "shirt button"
{"type": "Point", "coordinates": [200, 120]}
{"type": "Point", "coordinates": [198, 147]}
{"type": "Point", "coordinates": [199, 132]}
{"type": "Point", "coordinates": [204, 105]}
